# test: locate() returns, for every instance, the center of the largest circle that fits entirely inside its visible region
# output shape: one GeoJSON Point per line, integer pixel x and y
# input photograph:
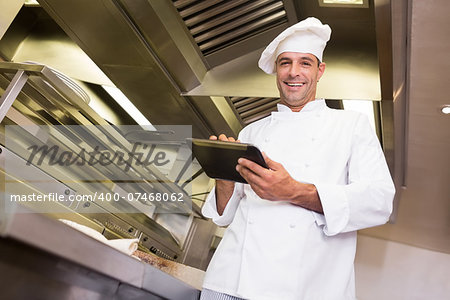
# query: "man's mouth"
{"type": "Point", "coordinates": [293, 84]}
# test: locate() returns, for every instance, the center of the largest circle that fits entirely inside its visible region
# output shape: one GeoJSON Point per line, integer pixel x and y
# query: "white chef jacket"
{"type": "Point", "coordinates": [276, 250]}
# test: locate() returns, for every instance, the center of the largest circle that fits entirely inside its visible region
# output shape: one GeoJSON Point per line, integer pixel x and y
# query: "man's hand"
{"type": "Point", "coordinates": [224, 138]}
{"type": "Point", "coordinates": [224, 188]}
{"type": "Point", "coordinates": [276, 184]}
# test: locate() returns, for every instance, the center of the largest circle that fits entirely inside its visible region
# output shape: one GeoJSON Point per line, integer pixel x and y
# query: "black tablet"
{"type": "Point", "coordinates": [219, 159]}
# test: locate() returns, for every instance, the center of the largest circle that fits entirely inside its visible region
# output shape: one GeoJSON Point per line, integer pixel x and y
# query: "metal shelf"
{"type": "Point", "coordinates": [35, 96]}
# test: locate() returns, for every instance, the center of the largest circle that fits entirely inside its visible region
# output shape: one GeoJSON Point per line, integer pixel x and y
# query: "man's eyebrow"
{"type": "Point", "coordinates": [301, 58]}
{"type": "Point", "coordinates": [307, 58]}
{"type": "Point", "coordinates": [283, 58]}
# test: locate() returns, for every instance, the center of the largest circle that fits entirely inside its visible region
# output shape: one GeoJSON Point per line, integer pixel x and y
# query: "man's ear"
{"type": "Point", "coordinates": [321, 70]}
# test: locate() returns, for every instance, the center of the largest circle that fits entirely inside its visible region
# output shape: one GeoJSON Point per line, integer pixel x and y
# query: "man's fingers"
{"type": "Point", "coordinates": [273, 165]}
{"type": "Point", "coordinates": [266, 158]}
{"type": "Point", "coordinates": [252, 178]}
{"type": "Point", "coordinates": [224, 138]}
{"type": "Point", "coordinates": [213, 137]}
{"type": "Point", "coordinates": [252, 166]}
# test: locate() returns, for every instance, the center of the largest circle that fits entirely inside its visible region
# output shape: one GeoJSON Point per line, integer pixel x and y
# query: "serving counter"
{"type": "Point", "coordinates": [66, 264]}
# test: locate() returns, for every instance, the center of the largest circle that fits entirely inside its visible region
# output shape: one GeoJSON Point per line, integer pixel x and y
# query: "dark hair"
{"type": "Point", "coordinates": [318, 61]}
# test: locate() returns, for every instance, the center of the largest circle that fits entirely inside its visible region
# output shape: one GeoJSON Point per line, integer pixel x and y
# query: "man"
{"type": "Point", "coordinates": [292, 229]}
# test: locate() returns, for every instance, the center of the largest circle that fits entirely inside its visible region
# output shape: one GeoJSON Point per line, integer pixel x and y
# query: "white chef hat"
{"type": "Point", "coordinates": [307, 36]}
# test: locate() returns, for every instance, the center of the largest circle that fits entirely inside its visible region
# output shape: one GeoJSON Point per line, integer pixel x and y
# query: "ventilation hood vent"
{"type": "Point", "coordinates": [252, 109]}
{"type": "Point", "coordinates": [217, 24]}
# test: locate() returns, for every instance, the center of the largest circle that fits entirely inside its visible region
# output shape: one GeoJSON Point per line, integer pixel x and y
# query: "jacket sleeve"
{"type": "Point", "coordinates": [366, 199]}
{"type": "Point", "coordinates": [209, 209]}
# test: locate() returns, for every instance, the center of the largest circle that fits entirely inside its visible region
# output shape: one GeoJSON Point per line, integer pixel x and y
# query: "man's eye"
{"type": "Point", "coordinates": [305, 63]}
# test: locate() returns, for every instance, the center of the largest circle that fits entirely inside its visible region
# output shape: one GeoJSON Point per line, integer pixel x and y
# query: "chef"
{"type": "Point", "coordinates": [292, 230]}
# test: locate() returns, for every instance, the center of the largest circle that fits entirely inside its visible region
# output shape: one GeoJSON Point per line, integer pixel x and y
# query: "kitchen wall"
{"type": "Point", "coordinates": [388, 270]}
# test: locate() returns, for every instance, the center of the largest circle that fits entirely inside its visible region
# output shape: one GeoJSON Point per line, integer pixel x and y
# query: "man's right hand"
{"type": "Point", "coordinates": [224, 138]}
{"type": "Point", "coordinates": [224, 188]}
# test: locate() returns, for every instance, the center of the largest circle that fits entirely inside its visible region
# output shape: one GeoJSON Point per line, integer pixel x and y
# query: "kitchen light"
{"type": "Point", "coordinates": [446, 109]}
{"type": "Point", "coordinates": [362, 106]}
{"type": "Point", "coordinates": [344, 3]}
{"type": "Point", "coordinates": [128, 106]}
{"type": "Point", "coordinates": [31, 3]}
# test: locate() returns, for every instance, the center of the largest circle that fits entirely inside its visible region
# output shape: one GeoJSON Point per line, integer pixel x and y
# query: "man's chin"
{"type": "Point", "coordinates": [295, 102]}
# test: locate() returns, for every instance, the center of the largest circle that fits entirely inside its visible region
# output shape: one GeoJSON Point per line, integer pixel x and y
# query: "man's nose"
{"type": "Point", "coordinates": [294, 70]}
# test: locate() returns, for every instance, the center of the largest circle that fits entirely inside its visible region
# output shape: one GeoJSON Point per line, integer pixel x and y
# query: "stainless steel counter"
{"type": "Point", "coordinates": [42, 259]}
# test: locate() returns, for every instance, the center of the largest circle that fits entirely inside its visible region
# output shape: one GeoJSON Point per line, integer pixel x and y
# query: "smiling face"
{"type": "Point", "coordinates": [297, 76]}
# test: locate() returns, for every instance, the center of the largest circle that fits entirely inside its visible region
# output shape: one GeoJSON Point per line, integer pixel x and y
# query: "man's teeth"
{"type": "Point", "coordinates": [294, 84]}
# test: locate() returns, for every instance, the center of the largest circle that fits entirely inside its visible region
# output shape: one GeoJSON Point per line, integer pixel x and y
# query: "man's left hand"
{"type": "Point", "coordinates": [276, 184]}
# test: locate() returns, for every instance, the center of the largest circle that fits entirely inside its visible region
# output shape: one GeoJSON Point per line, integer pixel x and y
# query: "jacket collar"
{"type": "Point", "coordinates": [312, 106]}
